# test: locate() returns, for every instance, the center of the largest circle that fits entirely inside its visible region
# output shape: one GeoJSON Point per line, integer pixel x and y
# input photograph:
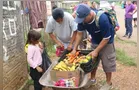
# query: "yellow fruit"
{"type": "Point", "coordinates": [72, 68]}
{"type": "Point", "coordinates": [63, 69]}
{"type": "Point", "coordinates": [62, 64]}
{"type": "Point", "coordinates": [60, 70]}
{"type": "Point", "coordinates": [55, 68]}
{"type": "Point", "coordinates": [81, 61]}
{"type": "Point", "coordinates": [73, 64]}
{"type": "Point", "coordinates": [85, 61]}
{"type": "Point", "coordinates": [66, 62]}
{"type": "Point", "coordinates": [68, 68]}
{"type": "Point", "coordinates": [88, 57]}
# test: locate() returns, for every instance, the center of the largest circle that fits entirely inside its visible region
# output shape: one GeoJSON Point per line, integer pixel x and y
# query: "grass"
{"type": "Point", "coordinates": [124, 58]}
{"type": "Point", "coordinates": [121, 54]}
{"type": "Point", "coordinates": [125, 41]}
{"type": "Point", "coordinates": [118, 3]}
{"type": "Point", "coordinates": [30, 82]}
{"type": "Point", "coordinates": [102, 82]}
{"type": "Point", "coordinates": [49, 44]}
{"type": "Point", "coordinates": [50, 49]}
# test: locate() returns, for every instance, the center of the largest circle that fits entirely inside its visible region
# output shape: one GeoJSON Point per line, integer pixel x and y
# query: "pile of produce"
{"type": "Point", "coordinates": [71, 62]}
{"type": "Point", "coordinates": [67, 82]}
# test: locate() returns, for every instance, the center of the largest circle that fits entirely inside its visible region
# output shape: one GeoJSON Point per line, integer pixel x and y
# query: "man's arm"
{"type": "Point", "coordinates": [99, 47]}
{"type": "Point", "coordinates": [55, 39]}
{"type": "Point", "coordinates": [77, 41]}
{"type": "Point", "coordinates": [73, 37]}
{"type": "Point", "coordinates": [72, 40]}
{"type": "Point", "coordinates": [135, 10]}
{"type": "Point", "coordinates": [106, 31]}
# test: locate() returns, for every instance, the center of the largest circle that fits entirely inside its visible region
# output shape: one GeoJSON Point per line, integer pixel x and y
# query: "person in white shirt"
{"type": "Point", "coordinates": [62, 28]}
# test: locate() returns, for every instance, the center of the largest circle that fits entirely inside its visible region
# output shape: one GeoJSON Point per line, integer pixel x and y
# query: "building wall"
{"type": "Point", "coordinates": [14, 59]}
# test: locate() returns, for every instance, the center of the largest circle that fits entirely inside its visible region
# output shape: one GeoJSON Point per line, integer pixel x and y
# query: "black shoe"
{"type": "Point", "coordinates": [129, 37]}
{"type": "Point", "coordinates": [125, 36]}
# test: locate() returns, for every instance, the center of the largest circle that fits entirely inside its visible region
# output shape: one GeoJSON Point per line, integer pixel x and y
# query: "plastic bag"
{"type": "Point", "coordinates": [46, 62]}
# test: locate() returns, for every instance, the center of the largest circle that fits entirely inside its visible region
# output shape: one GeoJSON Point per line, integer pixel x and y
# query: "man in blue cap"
{"type": "Point", "coordinates": [102, 41]}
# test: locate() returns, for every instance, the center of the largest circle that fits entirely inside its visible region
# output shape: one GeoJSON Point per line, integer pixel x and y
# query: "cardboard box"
{"type": "Point", "coordinates": [56, 75]}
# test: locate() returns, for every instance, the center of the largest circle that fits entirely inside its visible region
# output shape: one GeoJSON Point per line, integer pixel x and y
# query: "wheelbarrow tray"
{"type": "Point", "coordinates": [45, 80]}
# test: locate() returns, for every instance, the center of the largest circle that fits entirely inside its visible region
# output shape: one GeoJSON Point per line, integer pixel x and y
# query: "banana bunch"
{"type": "Point", "coordinates": [85, 59]}
{"type": "Point", "coordinates": [62, 66]}
{"type": "Point", "coordinates": [65, 65]}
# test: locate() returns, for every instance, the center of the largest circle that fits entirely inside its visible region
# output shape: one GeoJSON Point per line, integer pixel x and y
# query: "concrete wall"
{"type": "Point", "coordinates": [14, 58]}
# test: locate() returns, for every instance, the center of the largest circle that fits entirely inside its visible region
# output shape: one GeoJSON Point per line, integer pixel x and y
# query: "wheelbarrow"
{"type": "Point", "coordinates": [46, 80]}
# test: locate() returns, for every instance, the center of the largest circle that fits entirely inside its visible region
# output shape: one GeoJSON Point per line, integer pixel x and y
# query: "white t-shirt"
{"type": "Point", "coordinates": [64, 30]}
{"type": "Point", "coordinates": [135, 14]}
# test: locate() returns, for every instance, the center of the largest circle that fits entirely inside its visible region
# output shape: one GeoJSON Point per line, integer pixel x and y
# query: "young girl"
{"type": "Point", "coordinates": [34, 57]}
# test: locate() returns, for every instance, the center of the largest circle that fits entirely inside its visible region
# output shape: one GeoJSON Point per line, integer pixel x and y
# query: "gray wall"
{"type": "Point", "coordinates": [14, 58]}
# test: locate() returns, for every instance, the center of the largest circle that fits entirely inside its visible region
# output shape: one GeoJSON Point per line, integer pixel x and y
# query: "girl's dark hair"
{"type": "Point", "coordinates": [57, 13]}
{"type": "Point", "coordinates": [33, 36]}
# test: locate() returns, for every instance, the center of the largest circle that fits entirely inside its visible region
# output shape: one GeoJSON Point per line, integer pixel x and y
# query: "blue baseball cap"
{"type": "Point", "coordinates": [82, 11]}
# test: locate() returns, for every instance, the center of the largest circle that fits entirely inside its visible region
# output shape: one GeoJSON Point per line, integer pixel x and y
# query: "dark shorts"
{"type": "Point", "coordinates": [135, 19]}
{"type": "Point", "coordinates": [108, 57]}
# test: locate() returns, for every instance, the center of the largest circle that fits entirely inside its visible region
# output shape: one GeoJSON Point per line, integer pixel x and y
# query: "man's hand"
{"type": "Point", "coordinates": [94, 54]}
{"type": "Point", "coordinates": [73, 52]}
{"type": "Point", "coordinates": [69, 48]}
{"type": "Point", "coordinates": [117, 28]}
{"type": "Point", "coordinates": [39, 69]}
{"type": "Point", "coordinates": [59, 44]}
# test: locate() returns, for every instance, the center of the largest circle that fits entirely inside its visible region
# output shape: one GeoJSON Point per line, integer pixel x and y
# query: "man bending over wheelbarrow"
{"type": "Point", "coordinates": [102, 41]}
